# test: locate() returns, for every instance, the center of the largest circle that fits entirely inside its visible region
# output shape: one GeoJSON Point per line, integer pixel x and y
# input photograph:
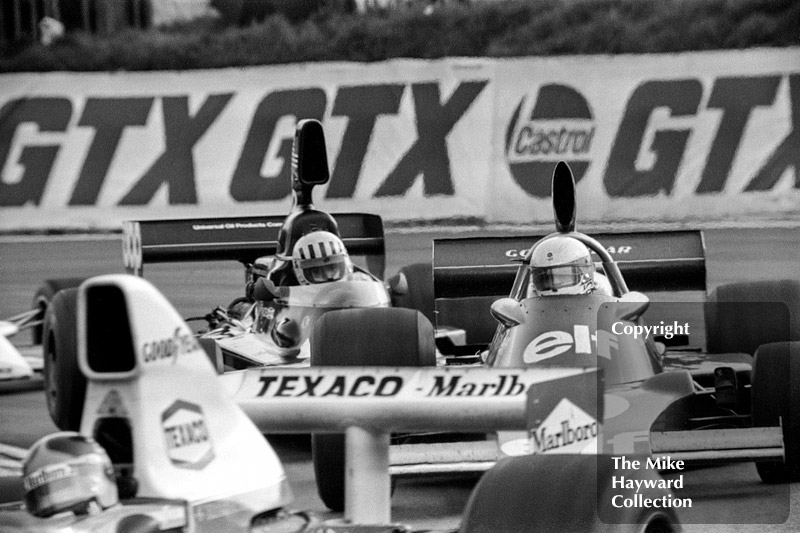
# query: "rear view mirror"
{"type": "Point", "coordinates": [632, 305]}
{"type": "Point", "coordinates": [398, 284]}
{"type": "Point", "coordinates": [508, 312]}
{"type": "Point", "coordinates": [265, 290]}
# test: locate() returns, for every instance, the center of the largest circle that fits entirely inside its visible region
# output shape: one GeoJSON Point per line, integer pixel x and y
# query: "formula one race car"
{"type": "Point", "coordinates": [184, 456]}
{"type": "Point", "coordinates": [18, 370]}
{"type": "Point", "coordinates": [735, 402]}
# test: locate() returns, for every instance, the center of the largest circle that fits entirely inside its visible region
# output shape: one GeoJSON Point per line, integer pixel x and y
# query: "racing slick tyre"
{"type": "Point", "coordinates": [419, 278]}
{"type": "Point", "coordinates": [740, 317]}
{"type": "Point", "coordinates": [64, 383]}
{"type": "Point", "coordinates": [362, 337]}
{"type": "Point", "coordinates": [561, 492]}
{"type": "Point", "coordinates": [44, 294]}
{"type": "Point", "coordinates": [775, 397]}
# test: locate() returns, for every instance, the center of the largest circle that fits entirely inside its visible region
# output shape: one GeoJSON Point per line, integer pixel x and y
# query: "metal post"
{"type": "Point", "coordinates": [17, 20]}
{"type": "Point", "coordinates": [137, 15]}
{"type": "Point", "coordinates": [368, 491]}
{"type": "Point", "coordinates": [87, 25]}
{"type": "Point", "coordinates": [34, 20]}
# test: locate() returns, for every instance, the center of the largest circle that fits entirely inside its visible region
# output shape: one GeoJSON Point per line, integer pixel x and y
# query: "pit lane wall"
{"type": "Point", "coordinates": [653, 138]}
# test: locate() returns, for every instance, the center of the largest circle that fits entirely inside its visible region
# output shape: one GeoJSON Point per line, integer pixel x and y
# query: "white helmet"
{"type": "Point", "coordinates": [67, 471]}
{"type": "Point", "coordinates": [561, 265]}
{"type": "Point", "coordinates": [319, 257]}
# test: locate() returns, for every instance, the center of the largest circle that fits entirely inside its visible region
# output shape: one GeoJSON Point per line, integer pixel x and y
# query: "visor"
{"type": "Point", "coordinates": [559, 277]}
{"type": "Point", "coordinates": [324, 273]}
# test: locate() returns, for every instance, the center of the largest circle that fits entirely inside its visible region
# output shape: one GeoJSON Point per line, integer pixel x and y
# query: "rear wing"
{"type": "Point", "coordinates": [238, 238]}
{"type": "Point", "coordinates": [649, 261]}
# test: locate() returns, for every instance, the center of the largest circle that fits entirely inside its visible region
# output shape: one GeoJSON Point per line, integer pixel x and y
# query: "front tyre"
{"type": "Point", "coordinates": [64, 383]}
{"type": "Point", "coordinates": [362, 337]}
{"type": "Point", "coordinates": [44, 295]}
{"type": "Point", "coordinates": [559, 492]}
{"type": "Point", "coordinates": [740, 317]}
{"type": "Point", "coordinates": [776, 399]}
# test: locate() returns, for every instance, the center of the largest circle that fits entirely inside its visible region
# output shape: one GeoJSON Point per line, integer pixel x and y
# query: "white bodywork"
{"type": "Point", "coordinates": [190, 440]}
{"type": "Point", "coordinates": [12, 365]}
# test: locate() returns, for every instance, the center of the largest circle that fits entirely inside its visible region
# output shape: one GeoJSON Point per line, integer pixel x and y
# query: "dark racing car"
{"type": "Point", "coordinates": [659, 398]}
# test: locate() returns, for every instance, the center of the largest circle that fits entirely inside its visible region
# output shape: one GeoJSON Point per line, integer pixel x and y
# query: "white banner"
{"type": "Point", "coordinates": [92, 150]}
{"type": "Point", "coordinates": [701, 136]}
{"type": "Point", "coordinates": [656, 138]}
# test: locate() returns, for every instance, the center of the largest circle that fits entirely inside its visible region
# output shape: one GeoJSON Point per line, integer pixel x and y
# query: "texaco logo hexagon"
{"type": "Point", "coordinates": [186, 436]}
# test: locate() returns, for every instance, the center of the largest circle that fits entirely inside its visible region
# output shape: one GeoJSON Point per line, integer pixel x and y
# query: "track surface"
{"type": "Point", "coordinates": [730, 495]}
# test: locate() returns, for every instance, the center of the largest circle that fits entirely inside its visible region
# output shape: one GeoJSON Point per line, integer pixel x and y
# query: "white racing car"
{"type": "Point", "coordinates": [20, 367]}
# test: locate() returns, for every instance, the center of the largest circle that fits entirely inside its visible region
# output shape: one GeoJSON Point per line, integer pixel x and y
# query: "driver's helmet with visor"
{"type": "Point", "coordinates": [67, 471]}
{"type": "Point", "coordinates": [320, 257]}
{"type": "Point", "coordinates": [561, 265]}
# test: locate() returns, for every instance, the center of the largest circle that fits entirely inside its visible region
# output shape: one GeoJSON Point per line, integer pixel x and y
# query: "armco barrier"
{"type": "Point", "coordinates": [657, 138]}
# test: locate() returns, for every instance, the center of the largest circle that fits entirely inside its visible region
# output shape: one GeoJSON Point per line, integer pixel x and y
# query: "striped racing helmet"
{"type": "Point", "coordinates": [319, 257]}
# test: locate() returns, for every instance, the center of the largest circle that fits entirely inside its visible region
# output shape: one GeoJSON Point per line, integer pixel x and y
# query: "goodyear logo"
{"type": "Point", "coordinates": [180, 343]}
{"type": "Point", "coordinates": [557, 125]}
{"type": "Point", "coordinates": [515, 254]}
{"type": "Point", "coordinates": [186, 436]}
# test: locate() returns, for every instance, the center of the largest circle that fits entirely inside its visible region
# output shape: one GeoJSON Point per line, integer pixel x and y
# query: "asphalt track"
{"type": "Point", "coordinates": [731, 497]}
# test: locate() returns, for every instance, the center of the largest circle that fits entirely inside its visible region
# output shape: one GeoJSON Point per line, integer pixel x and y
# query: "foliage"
{"type": "Point", "coordinates": [480, 29]}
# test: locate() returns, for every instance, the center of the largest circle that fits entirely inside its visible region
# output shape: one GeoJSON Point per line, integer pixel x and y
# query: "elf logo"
{"type": "Point", "coordinates": [582, 341]}
{"type": "Point", "coordinates": [557, 126]}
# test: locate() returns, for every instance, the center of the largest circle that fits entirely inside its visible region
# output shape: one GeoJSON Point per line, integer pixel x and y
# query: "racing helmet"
{"type": "Point", "coordinates": [319, 257]}
{"type": "Point", "coordinates": [67, 471]}
{"type": "Point", "coordinates": [561, 265]}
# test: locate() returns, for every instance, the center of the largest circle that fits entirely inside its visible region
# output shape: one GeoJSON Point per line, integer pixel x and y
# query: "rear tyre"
{"type": "Point", "coordinates": [776, 399]}
{"type": "Point", "coordinates": [44, 294]}
{"type": "Point", "coordinates": [64, 383]}
{"type": "Point", "coordinates": [493, 507]}
{"type": "Point", "coordinates": [362, 337]}
{"type": "Point", "coordinates": [740, 317]}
